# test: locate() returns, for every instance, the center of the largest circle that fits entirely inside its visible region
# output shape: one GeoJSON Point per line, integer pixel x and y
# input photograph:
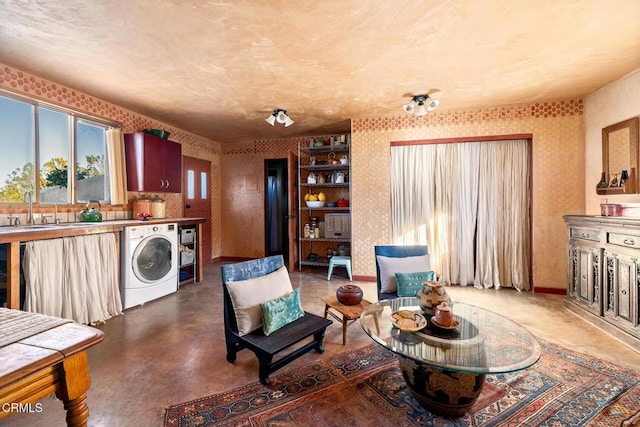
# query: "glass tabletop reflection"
{"type": "Point", "coordinates": [484, 342]}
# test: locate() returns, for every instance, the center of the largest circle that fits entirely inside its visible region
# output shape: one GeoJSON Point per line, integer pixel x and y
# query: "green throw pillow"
{"type": "Point", "coordinates": [410, 283]}
{"type": "Point", "coordinates": [281, 311]}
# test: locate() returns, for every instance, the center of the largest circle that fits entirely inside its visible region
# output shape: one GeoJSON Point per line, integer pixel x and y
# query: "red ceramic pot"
{"type": "Point", "coordinates": [343, 203]}
{"type": "Point", "coordinates": [349, 295]}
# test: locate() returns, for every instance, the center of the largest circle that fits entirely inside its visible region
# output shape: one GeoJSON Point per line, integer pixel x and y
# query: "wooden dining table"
{"type": "Point", "coordinates": [41, 355]}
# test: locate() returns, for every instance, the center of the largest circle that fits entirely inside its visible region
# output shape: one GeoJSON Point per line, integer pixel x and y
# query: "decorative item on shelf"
{"type": "Point", "coordinates": [604, 183]}
{"type": "Point", "coordinates": [624, 177]}
{"type": "Point", "coordinates": [312, 160]}
{"type": "Point", "coordinates": [431, 295]}
{"type": "Point", "coordinates": [320, 179]}
{"type": "Point", "coordinates": [331, 158]}
{"type": "Point", "coordinates": [344, 160]}
{"type": "Point", "coordinates": [307, 231]}
{"type": "Point", "coordinates": [349, 295]}
{"type": "Point", "coordinates": [157, 132]}
{"type": "Point", "coordinates": [313, 257]}
{"type": "Point", "coordinates": [343, 249]}
{"type": "Point", "coordinates": [614, 181]}
{"type": "Point", "coordinates": [330, 252]}
{"type": "Point", "coordinates": [332, 205]}
{"type": "Point", "coordinates": [311, 179]}
{"type": "Point", "coordinates": [338, 177]}
{"type": "Point", "coordinates": [343, 203]}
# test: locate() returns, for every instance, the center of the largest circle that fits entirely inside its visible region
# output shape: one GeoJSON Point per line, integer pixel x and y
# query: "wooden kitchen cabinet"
{"type": "Point", "coordinates": [153, 164]}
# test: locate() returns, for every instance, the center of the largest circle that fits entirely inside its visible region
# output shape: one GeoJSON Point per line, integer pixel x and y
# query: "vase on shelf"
{"type": "Point", "coordinates": [603, 181]}
{"type": "Point", "coordinates": [624, 177]}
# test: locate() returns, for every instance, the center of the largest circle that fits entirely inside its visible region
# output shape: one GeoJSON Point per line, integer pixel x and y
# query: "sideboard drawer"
{"type": "Point", "coordinates": [584, 234]}
{"type": "Point", "coordinates": [623, 239]}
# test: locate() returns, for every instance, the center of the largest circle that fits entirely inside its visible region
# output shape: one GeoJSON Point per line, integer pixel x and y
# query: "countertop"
{"type": "Point", "coordinates": [23, 233]}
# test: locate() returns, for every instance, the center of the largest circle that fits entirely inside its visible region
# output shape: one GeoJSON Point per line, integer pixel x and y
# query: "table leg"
{"type": "Point", "coordinates": [344, 329]}
{"type": "Point", "coordinates": [74, 379]}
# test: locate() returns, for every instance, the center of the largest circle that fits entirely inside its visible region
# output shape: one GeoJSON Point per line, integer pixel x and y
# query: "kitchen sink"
{"type": "Point", "coordinates": [14, 228]}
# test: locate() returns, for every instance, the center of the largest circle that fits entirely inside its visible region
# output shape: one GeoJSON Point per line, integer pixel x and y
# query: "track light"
{"type": "Point", "coordinates": [417, 105]}
{"type": "Point", "coordinates": [279, 116]}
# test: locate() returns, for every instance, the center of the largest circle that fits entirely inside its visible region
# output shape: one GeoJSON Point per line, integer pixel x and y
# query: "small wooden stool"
{"type": "Point", "coordinates": [348, 312]}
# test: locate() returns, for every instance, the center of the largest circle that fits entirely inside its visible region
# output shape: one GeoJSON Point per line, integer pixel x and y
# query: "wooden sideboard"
{"type": "Point", "coordinates": [603, 272]}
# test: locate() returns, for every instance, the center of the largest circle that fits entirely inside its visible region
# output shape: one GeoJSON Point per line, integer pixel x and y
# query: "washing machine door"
{"type": "Point", "coordinates": [151, 260]}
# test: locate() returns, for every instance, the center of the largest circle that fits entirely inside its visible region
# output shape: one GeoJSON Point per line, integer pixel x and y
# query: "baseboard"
{"type": "Point", "coordinates": [556, 291]}
{"type": "Point", "coordinates": [233, 258]}
{"type": "Point", "coordinates": [365, 278]}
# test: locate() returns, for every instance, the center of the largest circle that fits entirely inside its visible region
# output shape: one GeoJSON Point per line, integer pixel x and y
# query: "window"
{"type": "Point", "coordinates": [69, 151]}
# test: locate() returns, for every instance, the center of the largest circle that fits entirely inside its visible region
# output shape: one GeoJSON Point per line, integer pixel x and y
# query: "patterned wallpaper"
{"type": "Point", "coordinates": [23, 83]}
{"type": "Point", "coordinates": [557, 174]}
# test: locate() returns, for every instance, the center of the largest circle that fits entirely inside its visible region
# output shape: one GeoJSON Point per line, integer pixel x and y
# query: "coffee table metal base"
{"type": "Point", "coordinates": [443, 392]}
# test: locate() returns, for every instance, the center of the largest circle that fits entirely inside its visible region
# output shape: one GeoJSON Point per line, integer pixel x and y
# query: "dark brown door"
{"type": "Point", "coordinates": [292, 212]}
{"type": "Point", "coordinates": [196, 193]}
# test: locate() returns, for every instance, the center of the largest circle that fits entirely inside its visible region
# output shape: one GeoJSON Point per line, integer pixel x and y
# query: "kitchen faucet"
{"type": "Point", "coordinates": [28, 198]}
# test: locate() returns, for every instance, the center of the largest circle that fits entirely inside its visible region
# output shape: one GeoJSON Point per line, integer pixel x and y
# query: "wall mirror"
{"type": "Point", "coordinates": [620, 158]}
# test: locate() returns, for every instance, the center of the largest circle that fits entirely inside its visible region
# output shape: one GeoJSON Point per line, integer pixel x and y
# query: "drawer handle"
{"type": "Point", "coordinates": [585, 235]}
{"type": "Point", "coordinates": [629, 242]}
{"type": "Point", "coordinates": [623, 292]}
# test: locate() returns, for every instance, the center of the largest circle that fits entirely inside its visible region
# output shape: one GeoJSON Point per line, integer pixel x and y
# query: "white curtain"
{"type": "Point", "coordinates": [117, 166]}
{"type": "Point", "coordinates": [73, 277]}
{"type": "Point", "coordinates": [469, 203]}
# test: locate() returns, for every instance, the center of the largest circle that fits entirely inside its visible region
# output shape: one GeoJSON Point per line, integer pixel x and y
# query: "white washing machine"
{"type": "Point", "coordinates": [149, 263]}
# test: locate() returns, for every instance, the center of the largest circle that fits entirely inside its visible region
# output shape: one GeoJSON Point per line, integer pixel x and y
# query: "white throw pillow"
{"type": "Point", "coordinates": [247, 295]}
{"type": "Point", "coordinates": [389, 266]}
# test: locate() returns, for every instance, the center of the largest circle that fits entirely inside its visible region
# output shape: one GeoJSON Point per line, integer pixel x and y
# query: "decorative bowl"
{"type": "Point", "coordinates": [349, 295]}
{"type": "Point", "coordinates": [408, 321]}
{"type": "Point", "coordinates": [315, 204]}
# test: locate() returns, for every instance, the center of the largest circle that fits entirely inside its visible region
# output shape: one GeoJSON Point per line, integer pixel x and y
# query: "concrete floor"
{"type": "Point", "coordinates": [172, 350]}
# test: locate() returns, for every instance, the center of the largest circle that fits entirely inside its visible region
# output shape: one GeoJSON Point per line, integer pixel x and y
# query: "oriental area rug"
{"type": "Point", "coordinates": [364, 387]}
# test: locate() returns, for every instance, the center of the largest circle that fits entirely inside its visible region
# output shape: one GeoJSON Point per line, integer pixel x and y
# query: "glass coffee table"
{"type": "Point", "coordinates": [446, 368]}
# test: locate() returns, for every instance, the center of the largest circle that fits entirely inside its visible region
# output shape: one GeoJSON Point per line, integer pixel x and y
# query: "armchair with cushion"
{"type": "Point", "coordinates": [410, 263]}
{"type": "Point", "coordinates": [262, 313]}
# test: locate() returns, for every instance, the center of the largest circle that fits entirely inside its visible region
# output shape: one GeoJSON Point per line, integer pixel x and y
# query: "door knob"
{"type": "Point", "coordinates": [187, 206]}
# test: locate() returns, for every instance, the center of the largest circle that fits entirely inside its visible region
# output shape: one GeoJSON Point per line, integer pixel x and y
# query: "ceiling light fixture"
{"type": "Point", "coordinates": [417, 105]}
{"type": "Point", "coordinates": [279, 116]}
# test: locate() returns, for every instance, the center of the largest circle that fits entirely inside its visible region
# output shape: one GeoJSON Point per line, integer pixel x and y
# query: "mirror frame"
{"type": "Point", "coordinates": [634, 151]}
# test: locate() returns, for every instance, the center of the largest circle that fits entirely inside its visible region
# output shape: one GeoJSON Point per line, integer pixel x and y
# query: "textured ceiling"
{"type": "Point", "coordinates": [217, 68]}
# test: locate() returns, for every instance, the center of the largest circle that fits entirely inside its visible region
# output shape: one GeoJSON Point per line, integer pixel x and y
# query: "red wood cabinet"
{"type": "Point", "coordinates": [153, 164]}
